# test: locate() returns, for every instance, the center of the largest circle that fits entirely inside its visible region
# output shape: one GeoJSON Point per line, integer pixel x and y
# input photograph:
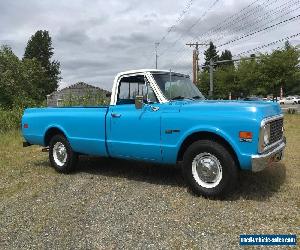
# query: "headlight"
{"type": "Point", "coordinates": [266, 134]}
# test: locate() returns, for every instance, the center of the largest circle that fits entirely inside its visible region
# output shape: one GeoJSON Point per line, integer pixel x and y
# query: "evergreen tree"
{"type": "Point", "coordinates": [210, 53]}
{"type": "Point", "coordinates": [40, 47]}
{"type": "Point", "coordinates": [226, 55]}
{"type": "Point", "coordinates": [287, 45]}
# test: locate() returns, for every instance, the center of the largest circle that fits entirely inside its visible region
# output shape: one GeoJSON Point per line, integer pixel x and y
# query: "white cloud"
{"type": "Point", "coordinates": [93, 40]}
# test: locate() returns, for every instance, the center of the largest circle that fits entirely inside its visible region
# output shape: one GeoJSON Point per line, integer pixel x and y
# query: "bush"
{"type": "Point", "coordinates": [10, 119]}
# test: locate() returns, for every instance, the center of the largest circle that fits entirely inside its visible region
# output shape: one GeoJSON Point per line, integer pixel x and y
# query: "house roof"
{"type": "Point", "coordinates": [79, 85]}
{"type": "Point", "coordinates": [82, 85]}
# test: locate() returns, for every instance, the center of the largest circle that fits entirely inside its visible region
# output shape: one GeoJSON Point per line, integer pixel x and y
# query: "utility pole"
{"type": "Point", "coordinates": [211, 77]}
{"type": "Point", "coordinates": [196, 59]}
{"type": "Point", "coordinates": [156, 56]}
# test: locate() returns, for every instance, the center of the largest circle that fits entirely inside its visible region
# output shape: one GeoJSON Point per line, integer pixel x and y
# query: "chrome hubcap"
{"type": "Point", "coordinates": [59, 154]}
{"type": "Point", "coordinates": [207, 170]}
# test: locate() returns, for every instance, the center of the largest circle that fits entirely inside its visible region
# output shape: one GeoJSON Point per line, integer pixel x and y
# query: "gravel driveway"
{"type": "Point", "coordinates": [108, 204]}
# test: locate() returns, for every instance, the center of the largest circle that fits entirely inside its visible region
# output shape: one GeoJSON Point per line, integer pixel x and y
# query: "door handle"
{"type": "Point", "coordinates": [114, 115]}
{"type": "Point", "coordinates": [154, 108]}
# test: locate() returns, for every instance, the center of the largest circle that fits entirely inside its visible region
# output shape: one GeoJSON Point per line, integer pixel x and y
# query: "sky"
{"type": "Point", "coordinates": [94, 40]}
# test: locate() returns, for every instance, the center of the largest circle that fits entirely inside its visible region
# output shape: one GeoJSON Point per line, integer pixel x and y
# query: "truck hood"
{"type": "Point", "coordinates": [259, 109]}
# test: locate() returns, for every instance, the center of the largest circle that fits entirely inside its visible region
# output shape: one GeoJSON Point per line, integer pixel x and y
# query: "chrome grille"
{"type": "Point", "coordinates": [276, 131]}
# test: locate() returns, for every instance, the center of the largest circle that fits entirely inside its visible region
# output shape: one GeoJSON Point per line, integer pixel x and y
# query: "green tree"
{"type": "Point", "coordinates": [20, 81]}
{"type": "Point", "coordinates": [224, 82]}
{"type": "Point", "coordinates": [40, 47]}
{"type": "Point", "coordinates": [248, 78]}
{"type": "Point", "coordinates": [280, 69]}
{"type": "Point", "coordinates": [203, 82]}
{"type": "Point", "coordinates": [261, 75]}
{"type": "Point", "coordinates": [10, 73]}
{"type": "Point", "coordinates": [33, 78]}
{"type": "Point", "coordinates": [210, 53]}
{"type": "Point", "coordinates": [292, 86]}
{"type": "Point", "coordinates": [226, 55]}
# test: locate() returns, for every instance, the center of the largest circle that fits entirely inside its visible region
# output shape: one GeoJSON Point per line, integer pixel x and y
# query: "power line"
{"type": "Point", "coordinates": [192, 26]}
{"type": "Point", "coordinates": [268, 44]}
{"type": "Point", "coordinates": [237, 22]}
{"type": "Point", "coordinates": [179, 20]}
{"type": "Point", "coordinates": [259, 20]}
{"type": "Point", "coordinates": [221, 24]}
{"type": "Point", "coordinates": [267, 15]}
{"type": "Point", "coordinates": [258, 31]}
{"type": "Point", "coordinates": [252, 12]}
{"type": "Point", "coordinates": [244, 16]}
{"type": "Point", "coordinates": [254, 32]}
{"type": "Point", "coordinates": [237, 15]}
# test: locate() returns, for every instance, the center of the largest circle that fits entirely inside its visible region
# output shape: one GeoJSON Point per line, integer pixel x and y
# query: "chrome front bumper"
{"type": "Point", "coordinates": [261, 161]}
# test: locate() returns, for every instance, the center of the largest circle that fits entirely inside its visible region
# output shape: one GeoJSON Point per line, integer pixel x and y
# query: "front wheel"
{"type": "Point", "coordinates": [61, 155]}
{"type": "Point", "coordinates": [209, 168]}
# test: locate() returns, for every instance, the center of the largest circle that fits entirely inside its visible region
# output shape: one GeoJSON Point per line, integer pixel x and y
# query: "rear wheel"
{"type": "Point", "coordinates": [209, 168]}
{"type": "Point", "coordinates": [61, 155]}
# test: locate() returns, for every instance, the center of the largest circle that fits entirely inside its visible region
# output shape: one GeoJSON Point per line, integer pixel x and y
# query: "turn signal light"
{"type": "Point", "coordinates": [245, 135]}
{"type": "Point", "coordinates": [25, 125]}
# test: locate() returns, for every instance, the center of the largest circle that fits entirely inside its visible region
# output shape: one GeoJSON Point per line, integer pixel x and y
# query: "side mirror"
{"type": "Point", "coordinates": [139, 102]}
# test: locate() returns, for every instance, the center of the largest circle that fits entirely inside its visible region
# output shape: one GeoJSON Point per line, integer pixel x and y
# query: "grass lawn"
{"type": "Point", "coordinates": [116, 204]}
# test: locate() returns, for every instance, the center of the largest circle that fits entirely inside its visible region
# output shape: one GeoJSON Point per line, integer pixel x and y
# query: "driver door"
{"type": "Point", "coordinates": [135, 133]}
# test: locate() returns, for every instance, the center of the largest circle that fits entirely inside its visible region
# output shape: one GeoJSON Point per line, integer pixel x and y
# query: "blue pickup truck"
{"type": "Point", "coordinates": [161, 117]}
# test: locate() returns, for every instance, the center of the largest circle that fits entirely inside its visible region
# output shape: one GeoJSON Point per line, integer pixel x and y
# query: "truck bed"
{"type": "Point", "coordinates": [85, 127]}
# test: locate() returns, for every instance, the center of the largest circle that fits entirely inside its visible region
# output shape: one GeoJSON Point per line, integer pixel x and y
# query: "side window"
{"type": "Point", "coordinates": [149, 95]}
{"type": "Point", "coordinates": [132, 86]}
{"type": "Point", "coordinates": [129, 88]}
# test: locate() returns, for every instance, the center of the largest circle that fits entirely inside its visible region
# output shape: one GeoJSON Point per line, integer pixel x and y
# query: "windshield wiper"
{"type": "Point", "coordinates": [181, 98]}
{"type": "Point", "coordinates": [196, 97]}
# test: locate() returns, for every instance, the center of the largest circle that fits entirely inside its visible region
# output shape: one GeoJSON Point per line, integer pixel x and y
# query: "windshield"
{"type": "Point", "coordinates": [177, 86]}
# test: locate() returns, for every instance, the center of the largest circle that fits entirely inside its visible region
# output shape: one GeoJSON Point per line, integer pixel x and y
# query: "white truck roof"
{"type": "Point", "coordinates": [136, 71]}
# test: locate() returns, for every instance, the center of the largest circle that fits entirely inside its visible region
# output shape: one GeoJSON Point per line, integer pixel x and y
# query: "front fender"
{"type": "Point", "coordinates": [210, 129]}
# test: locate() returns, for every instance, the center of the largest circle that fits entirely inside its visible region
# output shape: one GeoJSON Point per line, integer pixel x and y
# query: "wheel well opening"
{"type": "Point", "coordinates": [50, 133]}
{"type": "Point", "coordinates": [205, 136]}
